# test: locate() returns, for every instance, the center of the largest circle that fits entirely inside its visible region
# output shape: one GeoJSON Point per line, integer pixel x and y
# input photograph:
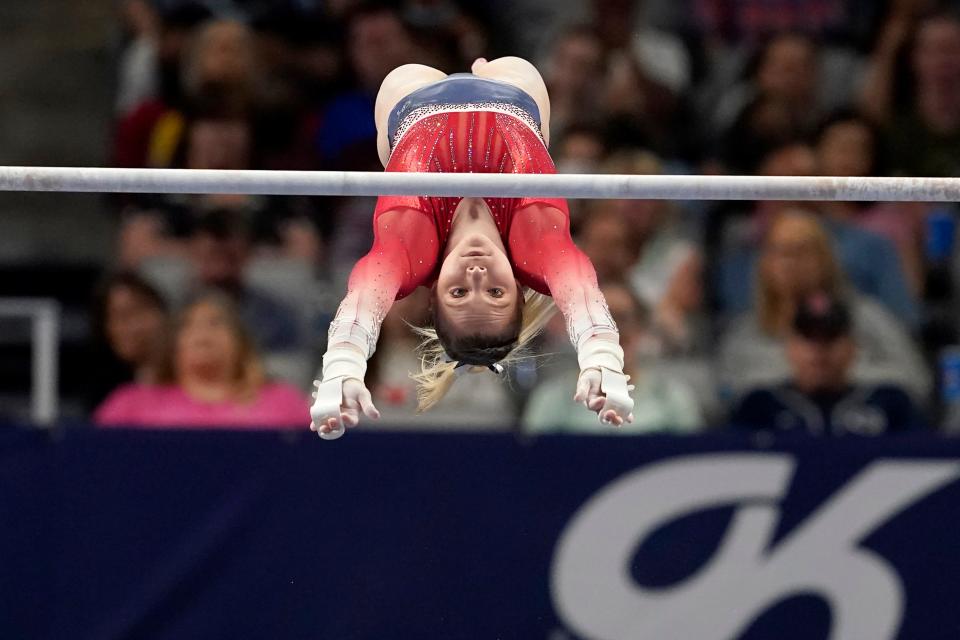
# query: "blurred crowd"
{"type": "Point", "coordinates": [824, 317]}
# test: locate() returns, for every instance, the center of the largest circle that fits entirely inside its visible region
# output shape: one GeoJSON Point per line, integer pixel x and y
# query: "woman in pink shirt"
{"type": "Point", "coordinates": [213, 378]}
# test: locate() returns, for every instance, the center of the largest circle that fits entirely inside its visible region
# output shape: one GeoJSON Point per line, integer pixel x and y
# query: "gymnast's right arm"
{"type": "Point", "coordinates": [380, 277]}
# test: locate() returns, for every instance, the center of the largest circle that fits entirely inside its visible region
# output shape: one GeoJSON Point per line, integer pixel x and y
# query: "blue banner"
{"type": "Point", "coordinates": [387, 535]}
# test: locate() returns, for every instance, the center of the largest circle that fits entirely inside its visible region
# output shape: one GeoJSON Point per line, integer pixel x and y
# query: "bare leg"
{"type": "Point", "coordinates": [398, 84]}
{"type": "Point", "coordinates": [522, 74]}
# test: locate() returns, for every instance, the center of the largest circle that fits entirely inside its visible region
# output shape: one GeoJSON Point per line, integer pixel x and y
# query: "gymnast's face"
{"type": "Point", "coordinates": [476, 289]}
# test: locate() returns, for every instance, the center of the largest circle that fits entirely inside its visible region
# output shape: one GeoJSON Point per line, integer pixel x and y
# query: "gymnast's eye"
{"type": "Point", "coordinates": [496, 292]}
{"type": "Point", "coordinates": [458, 292]}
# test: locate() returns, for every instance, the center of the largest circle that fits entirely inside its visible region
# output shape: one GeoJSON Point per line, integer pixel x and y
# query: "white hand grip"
{"type": "Point", "coordinates": [326, 405]}
{"type": "Point", "coordinates": [613, 385]}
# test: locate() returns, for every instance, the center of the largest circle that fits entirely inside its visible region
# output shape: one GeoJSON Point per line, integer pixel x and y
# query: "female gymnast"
{"type": "Point", "coordinates": [490, 263]}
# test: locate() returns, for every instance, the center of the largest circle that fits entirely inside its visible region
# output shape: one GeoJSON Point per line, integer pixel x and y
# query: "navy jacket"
{"type": "Point", "coordinates": [859, 409]}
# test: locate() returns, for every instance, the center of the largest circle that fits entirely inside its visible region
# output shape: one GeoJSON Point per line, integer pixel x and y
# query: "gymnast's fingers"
{"type": "Point", "coordinates": [611, 417]}
{"type": "Point", "coordinates": [350, 417]}
{"type": "Point", "coordinates": [595, 403]}
{"type": "Point", "coordinates": [585, 385]}
{"type": "Point", "coordinates": [366, 404]}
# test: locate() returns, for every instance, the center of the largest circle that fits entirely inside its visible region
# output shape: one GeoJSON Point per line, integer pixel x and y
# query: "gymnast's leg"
{"type": "Point", "coordinates": [522, 74]}
{"type": "Point", "coordinates": [398, 84]}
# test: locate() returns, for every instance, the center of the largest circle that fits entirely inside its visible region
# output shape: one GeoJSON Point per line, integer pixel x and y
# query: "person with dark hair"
{"type": "Point", "coordinates": [129, 320]}
{"type": "Point", "coordinates": [848, 144]}
{"type": "Point", "coordinates": [575, 70]}
{"type": "Point", "coordinates": [211, 377]}
{"type": "Point", "coordinates": [779, 104]}
{"type": "Point", "coordinates": [820, 396]}
{"type": "Point", "coordinates": [912, 89]}
{"type": "Point", "coordinates": [219, 249]}
{"type": "Point", "coordinates": [490, 263]}
{"type": "Point", "coordinates": [377, 41]}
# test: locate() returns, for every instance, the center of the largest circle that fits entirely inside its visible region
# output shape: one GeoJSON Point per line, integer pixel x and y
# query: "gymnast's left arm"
{"type": "Point", "coordinates": [540, 236]}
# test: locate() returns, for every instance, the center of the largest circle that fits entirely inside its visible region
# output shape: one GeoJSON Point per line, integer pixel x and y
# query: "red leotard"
{"type": "Point", "coordinates": [410, 231]}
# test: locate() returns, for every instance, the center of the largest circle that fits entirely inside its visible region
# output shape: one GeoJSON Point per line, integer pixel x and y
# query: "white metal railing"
{"type": "Point", "coordinates": [44, 317]}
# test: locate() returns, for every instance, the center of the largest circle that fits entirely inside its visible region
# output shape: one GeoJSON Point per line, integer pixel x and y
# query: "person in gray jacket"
{"type": "Point", "coordinates": [796, 261]}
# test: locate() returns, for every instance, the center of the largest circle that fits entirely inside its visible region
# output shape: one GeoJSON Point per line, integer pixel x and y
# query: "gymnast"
{"type": "Point", "coordinates": [490, 263]}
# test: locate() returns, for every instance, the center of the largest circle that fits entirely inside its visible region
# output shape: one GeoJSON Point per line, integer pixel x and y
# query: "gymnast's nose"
{"type": "Point", "coordinates": [476, 273]}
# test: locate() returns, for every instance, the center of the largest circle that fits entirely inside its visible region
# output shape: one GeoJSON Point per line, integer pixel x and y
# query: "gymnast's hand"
{"type": "Point", "coordinates": [606, 392]}
{"type": "Point", "coordinates": [338, 404]}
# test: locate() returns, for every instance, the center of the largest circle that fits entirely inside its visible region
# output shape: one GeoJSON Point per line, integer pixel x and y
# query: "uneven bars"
{"type": "Point", "coordinates": [359, 183]}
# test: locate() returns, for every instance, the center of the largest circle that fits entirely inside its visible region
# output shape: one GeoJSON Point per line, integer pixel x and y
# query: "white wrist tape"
{"type": "Point", "coordinates": [616, 392]}
{"type": "Point", "coordinates": [343, 363]}
{"type": "Point", "coordinates": [600, 353]}
{"type": "Point", "coordinates": [351, 333]}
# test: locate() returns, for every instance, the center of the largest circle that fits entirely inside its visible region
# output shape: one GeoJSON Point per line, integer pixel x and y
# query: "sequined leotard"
{"type": "Point", "coordinates": [447, 129]}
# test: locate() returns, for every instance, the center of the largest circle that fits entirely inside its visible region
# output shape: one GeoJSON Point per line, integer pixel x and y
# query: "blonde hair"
{"type": "Point", "coordinates": [774, 308]}
{"type": "Point", "coordinates": [437, 373]}
{"type": "Point", "coordinates": [248, 374]}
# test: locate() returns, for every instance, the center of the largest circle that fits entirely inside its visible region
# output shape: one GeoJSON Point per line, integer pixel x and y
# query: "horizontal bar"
{"type": "Point", "coordinates": [360, 183]}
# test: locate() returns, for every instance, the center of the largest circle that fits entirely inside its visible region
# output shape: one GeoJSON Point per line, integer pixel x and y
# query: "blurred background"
{"type": "Point", "coordinates": [707, 292]}
{"type": "Point", "coordinates": [758, 334]}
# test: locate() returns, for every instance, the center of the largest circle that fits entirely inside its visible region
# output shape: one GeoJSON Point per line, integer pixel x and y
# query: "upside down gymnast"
{"type": "Point", "coordinates": [490, 263]}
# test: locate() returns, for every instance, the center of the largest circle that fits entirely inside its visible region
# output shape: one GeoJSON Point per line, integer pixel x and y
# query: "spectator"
{"type": "Point", "coordinates": [849, 145]}
{"type": "Point", "coordinates": [660, 403]}
{"type": "Point", "coordinates": [820, 396]}
{"type": "Point", "coordinates": [869, 261]}
{"type": "Point", "coordinates": [378, 41]}
{"type": "Point", "coordinates": [913, 89]}
{"type": "Point", "coordinates": [666, 266]}
{"type": "Point", "coordinates": [581, 150]}
{"type": "Point", "coordinates": [130, 321]}
{"type": "Point", "coordinates": [797, 261]}
{"type": "Point", "coordinates": [214, 140]}
{"type": "Point", "coordinates": [213, 249]}
{"type": "Point", "coordinates": [575, 71]}
{"type": "Point", "coordinates": [212, 378]}
{"type": "Point", "coordinates": [304, 61]}
{"type": "Point", "coordinates": [219, 67]}
{"type": "Point", "coordinates": [778, 105]}
{"type": "Point", "coordinates": [605, 238]}
{"type": "Point", "coordinates": [149, 67]}
{"type": "Point", "coordinates": [661, 58]}
{"type": "Point", "coordinates": [219, 251]}
{"type": "Point", "coordinates": [647, 75]}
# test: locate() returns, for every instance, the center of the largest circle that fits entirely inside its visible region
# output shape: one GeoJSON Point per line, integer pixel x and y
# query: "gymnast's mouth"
{"type": "Point", "coordinates": [476, 253]}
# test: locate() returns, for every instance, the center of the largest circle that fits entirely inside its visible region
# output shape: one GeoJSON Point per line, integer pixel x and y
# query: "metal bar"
{"type": "Point", "coordinates": [357, 183]}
